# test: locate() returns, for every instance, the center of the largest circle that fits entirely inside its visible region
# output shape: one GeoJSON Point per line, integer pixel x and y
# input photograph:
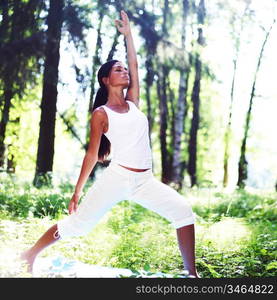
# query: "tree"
{"type": "Point", "coordinates": [45, 153]}
{"type": "Point", "coordinates": [181, 111]}
{"type": "Point", "coordinates": [236, 34]}
{"type": "Point", "coordinates": [73, 18]}
{"type": "Point", "coordinates": [192, 163]}
{"type": "Point", "coordinates": [17, 64]}
{"type": "Point", "coordinates": [162, 83]}
{"type": "Point", "coordinates": [242, 166]}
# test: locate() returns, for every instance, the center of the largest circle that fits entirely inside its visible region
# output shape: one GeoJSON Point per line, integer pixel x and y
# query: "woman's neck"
{"type": "Point", "coordinates": [116, 97]}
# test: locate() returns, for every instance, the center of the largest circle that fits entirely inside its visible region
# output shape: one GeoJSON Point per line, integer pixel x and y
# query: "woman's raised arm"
{"type": "Point", "coordinates": [123, 27]}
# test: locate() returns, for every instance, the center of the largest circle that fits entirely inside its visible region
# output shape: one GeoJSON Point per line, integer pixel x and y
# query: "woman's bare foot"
{"type": "Point", "coordinates": [48, 238]}
{"type": "Point", "coordinates": [28, 259]}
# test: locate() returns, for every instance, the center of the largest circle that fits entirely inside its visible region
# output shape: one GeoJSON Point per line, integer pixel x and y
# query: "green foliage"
{"type": "Point", "coordinates": [25, 200]}
{"type": "Point", "coordinates": [22, 137]}
{"type": "Point", "coordinates": [237, 204]}
{"type": "Point", "coordinates": [142, 235]}
{"type": "Point", "coordinates": [254, 258]}
{"type": "Point", "coordinates": [235, 232]}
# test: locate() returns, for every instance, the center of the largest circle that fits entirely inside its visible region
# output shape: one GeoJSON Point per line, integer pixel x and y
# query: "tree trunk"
{"type": "Point", "coordinates": [227, 135]}
{"type": "Point", "coordinates": [4, 121]}
{"type": "Point", "coordinates": [162, 94]}
{"type": "Point", "coordinates": [8, 74]}
{"type": "Point", "coordinates": [242, 167]}
{"type": "Point", "coordinates": [179, 119]}
{"type": "Point", "coordinates": [45, 154]}
{"type": "Point", "coordinates": [148, 84]}
{"type": "Point", "coordinates": [4, 21]}
{"type": "Point", "coordinates": [171, 117]}
{"type": "Point", "coordinates": [11, 163]}
{"type": "Point", "coordinates": [192, 163]}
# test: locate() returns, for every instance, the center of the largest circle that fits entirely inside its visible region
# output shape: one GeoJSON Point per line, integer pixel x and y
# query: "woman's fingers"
{"type": "Point", "coordinates": [70, 208]}
{"type": "Point", "coordinates": [73, 205]}
{"type": "Point", "coordinates": [118, 23]}
{"type": "Point", "coordinates": [123, 25]}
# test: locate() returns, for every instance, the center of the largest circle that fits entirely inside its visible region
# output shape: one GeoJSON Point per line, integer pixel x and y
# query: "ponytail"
{"type": "Point", "coordinates": [101, 99]}
{"type": "Point", "coordinates": [105, 145]}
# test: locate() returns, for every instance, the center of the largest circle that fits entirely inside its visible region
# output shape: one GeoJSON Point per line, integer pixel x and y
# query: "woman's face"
{"type": "Point", "coordinates": [119, 76]}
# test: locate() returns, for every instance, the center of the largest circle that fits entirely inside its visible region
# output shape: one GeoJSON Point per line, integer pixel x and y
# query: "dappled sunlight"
{"type": "Point", "coordinates": [228, 235]}
{"type": "Point", "coordinates": [10, 263]}
{"type": "Point", "coordinates": [206, 197]}
{"type": "Point", "coordinates": [13, 242]}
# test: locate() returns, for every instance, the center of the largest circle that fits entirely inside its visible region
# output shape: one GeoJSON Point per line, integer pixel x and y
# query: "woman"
{"type": "Point", "coordinates": [116, 120]}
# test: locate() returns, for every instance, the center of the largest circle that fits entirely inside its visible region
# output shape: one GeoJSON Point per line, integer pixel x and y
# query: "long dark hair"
{"type": "Point", "coordinates": [101, 98]}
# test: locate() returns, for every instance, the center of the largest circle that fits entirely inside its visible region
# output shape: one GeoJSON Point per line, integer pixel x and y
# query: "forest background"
{"type": "Point", "coordinates": [207, 74]}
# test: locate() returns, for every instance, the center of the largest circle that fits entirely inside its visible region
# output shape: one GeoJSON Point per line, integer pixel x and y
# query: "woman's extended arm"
{"type": "Point", "coordinates": [90, 159]}
{"type": "Point", "coordinates": [123, 26]}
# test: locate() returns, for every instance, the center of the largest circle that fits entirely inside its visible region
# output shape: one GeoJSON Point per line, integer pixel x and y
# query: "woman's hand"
{"type": "Point", "coordinates": [73, 204]}
{"type": "Point", "coordinates": [123, 25]}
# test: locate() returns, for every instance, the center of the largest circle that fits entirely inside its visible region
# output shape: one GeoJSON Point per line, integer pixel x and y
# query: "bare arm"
{"type": "Point", "coordinates": [91, 157]}
{"type": "Point", "coordinates": [123, 26]}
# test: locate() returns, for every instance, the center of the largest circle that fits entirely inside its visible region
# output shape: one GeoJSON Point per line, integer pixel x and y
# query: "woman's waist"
{"type": "Point", "coordinates": [134, 170]}
{"type": "Point", "coordinates": [128, 170]}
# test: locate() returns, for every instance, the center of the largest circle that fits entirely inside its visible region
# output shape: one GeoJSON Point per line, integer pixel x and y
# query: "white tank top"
{"type": "Point", "coordinates": [128, 134]}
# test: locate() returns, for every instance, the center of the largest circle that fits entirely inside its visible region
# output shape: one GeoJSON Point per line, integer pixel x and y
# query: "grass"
{"type": "Point", "coordinates": [235, 233]}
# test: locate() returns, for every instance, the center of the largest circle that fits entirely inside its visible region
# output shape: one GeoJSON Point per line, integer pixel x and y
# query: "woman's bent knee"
{"type": "Point", "coordinates": [183, 214]}
{"type": "Point", "coordinates": [69, 227]}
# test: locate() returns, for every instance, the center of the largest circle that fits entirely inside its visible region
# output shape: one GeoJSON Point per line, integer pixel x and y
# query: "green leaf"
{"type": "Point", "coordinates": [146, 267]}
{"type": "Point", "coordinates": [263, 251]}
{"type": "Point", "coordinates": [271, 266]}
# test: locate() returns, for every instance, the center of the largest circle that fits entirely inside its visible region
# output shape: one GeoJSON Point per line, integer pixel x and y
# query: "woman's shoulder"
{"type": "Point", "coordinates": [99, 113]}
{"type": "Point", "coordinates": [99, 110]}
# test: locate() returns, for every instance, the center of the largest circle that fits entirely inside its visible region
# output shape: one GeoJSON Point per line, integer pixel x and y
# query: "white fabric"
{"type": "Point", "coordinates": [128, 134]}
{"type": "Point", "coordinates": [115, 184]}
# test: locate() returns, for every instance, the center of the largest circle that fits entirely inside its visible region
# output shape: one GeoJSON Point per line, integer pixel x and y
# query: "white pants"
{"type": "Point", "coordinates": [115, 184]}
